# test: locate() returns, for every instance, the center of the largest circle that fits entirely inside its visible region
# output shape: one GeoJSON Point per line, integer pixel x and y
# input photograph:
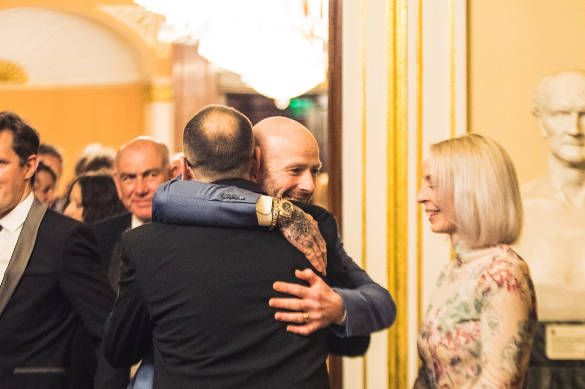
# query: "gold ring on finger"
{"type": "Point", "coordinates": [305, 317]}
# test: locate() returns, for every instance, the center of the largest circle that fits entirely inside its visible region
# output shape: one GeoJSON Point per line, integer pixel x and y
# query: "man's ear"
{"type": "Point", "coordinates": [186, 172]}
{"type": "Point", "coordinates": [116, 177]}
{"type": "Point", "coordinates": [30, 165]}
{"type": "Point", "coordinates": [255, 165]}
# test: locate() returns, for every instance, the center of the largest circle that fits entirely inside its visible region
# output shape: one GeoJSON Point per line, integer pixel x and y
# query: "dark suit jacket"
{"type": "Point", "coordinates": [54, 287]}
{"type": "Point", "coordinates": [109, 233]}
{"type": "Point", "coordinates": [201, 294]}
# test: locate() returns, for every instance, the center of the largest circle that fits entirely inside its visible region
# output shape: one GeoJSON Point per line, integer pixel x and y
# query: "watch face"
{"type": "Point", "coordinates": [287, 207]}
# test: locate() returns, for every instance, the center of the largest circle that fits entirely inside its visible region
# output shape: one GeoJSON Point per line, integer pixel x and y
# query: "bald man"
{"type": "Point", "coordinates": [141, 165]}
{"type": "Point", "coordinates": [288, 165]}
{"type": "Point", "coordinates": [289, 159]}
{"type": "Point", "coordinates": [553, 236]}
{"type": "Point", "coordinates": [200, 293]}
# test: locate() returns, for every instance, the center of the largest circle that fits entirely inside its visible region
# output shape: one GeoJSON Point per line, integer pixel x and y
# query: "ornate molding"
{"type": "Point", "coordinates": [397, 197]}
{"type": "Point", "coordinates": [11, 73]}
{"type": "Point", "coordinates": [144, 23]}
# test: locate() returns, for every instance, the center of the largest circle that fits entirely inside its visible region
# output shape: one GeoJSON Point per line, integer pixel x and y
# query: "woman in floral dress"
{"type": "Point", "coordinates": [479, 326]}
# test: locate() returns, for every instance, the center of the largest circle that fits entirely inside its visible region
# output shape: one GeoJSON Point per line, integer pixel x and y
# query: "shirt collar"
{"type": "Point", "coordinates": [465, 254]}
{"type": "Point", "coordinates": [135, 222]}
{"type": "Point", "coordinates": [240, 183]}
{"type": "Point", "coordinates": [15, 218]}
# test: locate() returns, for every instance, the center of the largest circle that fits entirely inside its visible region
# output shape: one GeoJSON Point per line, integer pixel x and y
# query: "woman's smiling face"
{"type": "Point", "coordinates": [442, 218]}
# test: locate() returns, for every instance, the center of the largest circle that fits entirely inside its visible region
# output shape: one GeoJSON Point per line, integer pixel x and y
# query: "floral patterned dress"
{"type": "Point", "coordinates": [479, 326]}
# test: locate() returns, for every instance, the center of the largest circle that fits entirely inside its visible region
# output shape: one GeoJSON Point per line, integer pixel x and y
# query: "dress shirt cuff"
{"type": "Point", "coordinates": [343, 330]}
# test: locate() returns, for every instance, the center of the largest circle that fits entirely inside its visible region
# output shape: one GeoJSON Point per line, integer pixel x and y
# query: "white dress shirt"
{"type": "Point", "coordinates": [11, 227]}
{"type": "Point", "coordinates": [135, 222]}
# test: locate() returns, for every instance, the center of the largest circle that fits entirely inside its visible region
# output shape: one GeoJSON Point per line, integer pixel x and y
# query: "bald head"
{"type": "Point", "coordinates": [559, 104]}
{"type": "Point", "coordinates": [289, 160]}
{"type": "Point", "coordinates": [141, 165]}
{"type": "Point", "coordinates": [281, 129]}
{"type": "Point", "coordinates": [144, 145]}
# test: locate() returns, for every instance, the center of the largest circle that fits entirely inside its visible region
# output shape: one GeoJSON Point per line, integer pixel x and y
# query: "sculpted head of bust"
{"type": "Point", "coordinates": [559, 103]}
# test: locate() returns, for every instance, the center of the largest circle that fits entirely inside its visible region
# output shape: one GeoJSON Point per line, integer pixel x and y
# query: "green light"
{"type": "Point", "coordinates": [300, 106]}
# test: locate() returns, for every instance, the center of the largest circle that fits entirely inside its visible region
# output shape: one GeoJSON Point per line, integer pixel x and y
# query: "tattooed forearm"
{"type": "Point", "coordinates": [298, 225]}
{"type": "Point", "coordinates": [302, 231]}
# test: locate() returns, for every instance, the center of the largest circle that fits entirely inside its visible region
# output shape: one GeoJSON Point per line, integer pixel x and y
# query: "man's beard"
{"type": "Point", "coordinates": [292, 194]}
{"type": "Point", "coordinates": [302, 197]}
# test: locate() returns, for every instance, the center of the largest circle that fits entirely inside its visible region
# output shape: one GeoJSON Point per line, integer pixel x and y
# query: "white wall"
{"type": "Point", "coordinates": [436, 90]}
{"type": "Point", "coordinates": [57, 48]}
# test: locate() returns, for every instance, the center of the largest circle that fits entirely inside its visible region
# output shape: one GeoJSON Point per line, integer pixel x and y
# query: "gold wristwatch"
{"type": "Point", "coordinates": [285, 213]}
{"type": "Point", "coordinates": [264, 211]}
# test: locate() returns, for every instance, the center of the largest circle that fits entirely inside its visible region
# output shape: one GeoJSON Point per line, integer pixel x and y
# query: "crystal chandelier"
{"type": "Point", "coordinates": [278, 47]}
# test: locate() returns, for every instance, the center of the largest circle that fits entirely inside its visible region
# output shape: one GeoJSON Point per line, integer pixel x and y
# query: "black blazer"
{"type": "Point", "coordinates": [201, 294]}
{"type": "Point", "coordinates": [54, 288]}
{"type": "Point", "coordinates": [109, 233]}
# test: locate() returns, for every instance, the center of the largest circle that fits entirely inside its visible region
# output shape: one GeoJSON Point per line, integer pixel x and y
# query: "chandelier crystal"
{"type": "Point", "coordinates": [278, 47]}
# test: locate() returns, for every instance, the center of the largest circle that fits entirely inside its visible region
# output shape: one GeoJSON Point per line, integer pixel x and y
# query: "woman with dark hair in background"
{"type": "Point", "coordinates": [44, 182]}
{"type": "Point", "coordinates": [479, 326]}
{"type": "Point", "coordinates": [92, 198]}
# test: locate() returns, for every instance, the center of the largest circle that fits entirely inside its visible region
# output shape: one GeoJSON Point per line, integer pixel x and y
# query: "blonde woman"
{"type": "Point", "coordinates": [479, 326]}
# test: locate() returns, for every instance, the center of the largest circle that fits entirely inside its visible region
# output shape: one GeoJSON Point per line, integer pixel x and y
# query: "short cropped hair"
{"type": "Point", "coordinates": [41, 167]}
{"type": "Point", "coordinates": [95, 157]}
{"type": "Point", "coordinates": [25, 140]}
{"type": "Point", "coordinates": [479, 175]}
{"type": "Point", "coordinates": [93, 164]}
{"type": "Point", "coordinates": [218, 141]}
{"type": "Point", "coordinates": [48, 149]}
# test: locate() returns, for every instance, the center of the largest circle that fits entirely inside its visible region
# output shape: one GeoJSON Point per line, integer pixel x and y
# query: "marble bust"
{"type": "Point", "coordinates": [553, 238]}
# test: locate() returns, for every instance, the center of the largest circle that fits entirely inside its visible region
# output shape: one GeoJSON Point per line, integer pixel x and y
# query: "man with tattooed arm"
{"type": "Point", "coordinates": [200, 297]}
{"type": "Point", "coordinates": [289, 163]}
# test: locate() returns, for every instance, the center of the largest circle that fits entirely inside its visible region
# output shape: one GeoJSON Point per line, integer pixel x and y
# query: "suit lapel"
{"type": "Point", "coordinates": [22, 251]}
{"type": "Point", "coordinates": [116, 262]}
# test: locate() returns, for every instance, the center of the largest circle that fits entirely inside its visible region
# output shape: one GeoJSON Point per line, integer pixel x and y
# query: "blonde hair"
{"type": "Point", "coordinates": [477, 173]}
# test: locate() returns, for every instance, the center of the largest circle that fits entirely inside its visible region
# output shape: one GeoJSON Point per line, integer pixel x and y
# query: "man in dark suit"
{"type": "Point", "coordinates": [53, 287]}
{"type": "Point", "coordinates": [141, 165]}
{"type": "Point", "coordinates": [289, 163]}
{"type": "Point", "coordinates": [199, 294]}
